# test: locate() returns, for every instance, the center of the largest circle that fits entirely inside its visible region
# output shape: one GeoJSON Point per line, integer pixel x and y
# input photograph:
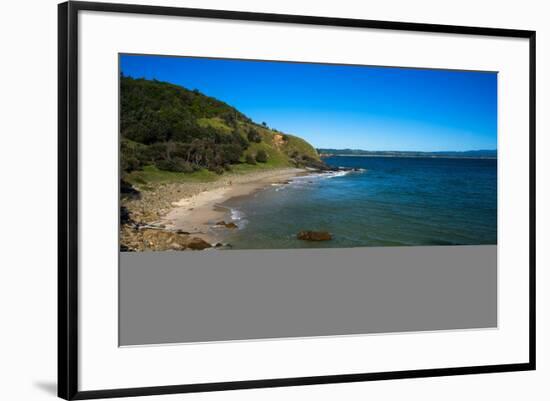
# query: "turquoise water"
{"type": "Point", "coordinates": [390, 201]}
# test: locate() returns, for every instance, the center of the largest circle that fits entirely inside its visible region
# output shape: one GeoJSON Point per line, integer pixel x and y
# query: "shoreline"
{"type": "Point", "coordinates": [199, 213]}
{"type": "Point", "coordinates": [169, 216]}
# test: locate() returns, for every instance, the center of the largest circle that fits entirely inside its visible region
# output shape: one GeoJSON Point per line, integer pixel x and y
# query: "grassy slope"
{"type": "Point", "coordinates": [214, 122]}
{"type": "Point", "coordinates": [152, 175]}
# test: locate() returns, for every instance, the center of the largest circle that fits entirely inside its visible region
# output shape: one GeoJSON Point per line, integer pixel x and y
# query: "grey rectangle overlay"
{"type": "Point", "coordinates": [182, 297]}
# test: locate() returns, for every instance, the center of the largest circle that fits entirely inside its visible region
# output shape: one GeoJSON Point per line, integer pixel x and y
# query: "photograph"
{"type": "Point", "coordinates": [253, 200]}
{"type": "Point", "coordinates": [225, 154]}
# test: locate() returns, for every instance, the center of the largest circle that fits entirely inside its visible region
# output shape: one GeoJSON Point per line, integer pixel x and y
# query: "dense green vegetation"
{"type": "Point", "coordinates": [171, 133]}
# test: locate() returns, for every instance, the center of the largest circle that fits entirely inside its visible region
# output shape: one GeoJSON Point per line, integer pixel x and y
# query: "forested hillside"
{"type": "Point", "coordinates": [168, 128]}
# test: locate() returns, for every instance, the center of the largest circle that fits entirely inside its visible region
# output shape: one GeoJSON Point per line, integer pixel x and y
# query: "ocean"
{"type": "Point", "coordinates": [388, 201]}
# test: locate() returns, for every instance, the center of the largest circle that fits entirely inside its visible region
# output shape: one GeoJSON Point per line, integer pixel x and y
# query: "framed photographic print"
{"type": "Point", "coordinates": [255, 200]}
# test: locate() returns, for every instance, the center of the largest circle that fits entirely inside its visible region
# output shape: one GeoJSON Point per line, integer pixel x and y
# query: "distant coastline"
{"type": "Point", "coordinates": [409, 156]}
{"type": "Point", "coordinates": [471, 154]}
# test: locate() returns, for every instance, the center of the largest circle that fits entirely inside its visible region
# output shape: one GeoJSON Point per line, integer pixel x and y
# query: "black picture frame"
{"type": "Point", "coordinates": [68, 198]}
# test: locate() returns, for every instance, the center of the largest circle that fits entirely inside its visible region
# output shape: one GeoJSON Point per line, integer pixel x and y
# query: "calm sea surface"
{"type": "Point", "coordinates": [390, 202]}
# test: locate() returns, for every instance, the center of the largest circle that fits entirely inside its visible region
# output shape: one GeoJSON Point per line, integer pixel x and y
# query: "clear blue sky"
{"type": "Point", "coordinates": [371, 108]}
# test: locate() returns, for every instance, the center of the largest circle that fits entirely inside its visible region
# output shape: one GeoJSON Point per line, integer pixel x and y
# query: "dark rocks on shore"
{"type": "Point", "coordinates": [124, 248]}
{"type": "Point", "coordinates": [158, 239]}
{"type": "Point", "coordinates": [314, 163]}
{"type": "Point", "coordinates": [327, 168]}
{"type": "Point", "coordinates": [336, 169]}
{"type": "Point", "coordinates": [127, 191]}
{"type": "Point", "coordinates": [198, 244]}
{"type": "Point", "coordinates": [227, 225]}
{"type": "Point", "coordinates": [125, 216]}
{"type": "Point", "coordinates": [314, 236]}
{"type": "Point", "coordinates": [221, 245]}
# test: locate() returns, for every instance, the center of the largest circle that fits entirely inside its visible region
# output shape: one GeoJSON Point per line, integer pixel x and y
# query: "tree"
{"type": "Point", "coordinates": [239, 139]}
{"type": "Point", "coordinates": [231, 153]}
{"type": "Point", "coordinates": [250, 159]}
{"type": "Point", "coordinates": [261, 156]}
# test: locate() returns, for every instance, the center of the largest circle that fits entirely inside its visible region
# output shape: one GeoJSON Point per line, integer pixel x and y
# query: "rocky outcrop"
{"type": "Point", "coordinates": [314, 236]}
{"type": "Point", "coordinates": [227, 225]}
{"type": "Point", "coordinates": [139, 238]}
{"type": "Point", "coordinates": [198, 244]}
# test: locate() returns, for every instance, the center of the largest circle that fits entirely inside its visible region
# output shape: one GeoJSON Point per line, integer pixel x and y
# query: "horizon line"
{"type": "Point", "coordinates": [408, 151]}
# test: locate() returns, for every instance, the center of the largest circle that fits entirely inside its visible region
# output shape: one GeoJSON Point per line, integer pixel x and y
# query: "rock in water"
{"type": "Point", "coordinates": [314, 236]}
{"type": "Point", "coordinates": [227, 225]}
{"type": "Point", "coordinates": [197, 243]}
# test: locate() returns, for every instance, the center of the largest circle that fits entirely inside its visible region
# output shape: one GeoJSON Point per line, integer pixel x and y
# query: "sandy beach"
{"type": "Point", "coordinates": [191, 209]}
{"type": "Point", "coordinates": [198, 214]}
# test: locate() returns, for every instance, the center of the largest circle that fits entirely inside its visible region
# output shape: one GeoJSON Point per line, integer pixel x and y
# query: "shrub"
{"type": "Point", "coordinates": [168, 165]}
{"type": "Point", "coordinates": [132, 155]}
{"type": "Point", "coordinates": [230, 119]}
{"type": "Point", "coordinates": [155, 152]}
{"type": "Point", "coordinates": [217, 169]}
{"type": "Point", "coordinates": [240, 140]}
{"type": "Point", "coordinates": [177, 165]}
{"type": "Point", "coordinates": [129, 163]}
{"type": "Point", "coordinates": [230, 153]}
{"type": "Point", "coordinates": [250, 159]}
{"type": "Point", "coordinates": [261, 156]}
{"type": "Point", "coordinates": [184, 166]}
{"type": "Point", "coordinates": [254, 136]}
